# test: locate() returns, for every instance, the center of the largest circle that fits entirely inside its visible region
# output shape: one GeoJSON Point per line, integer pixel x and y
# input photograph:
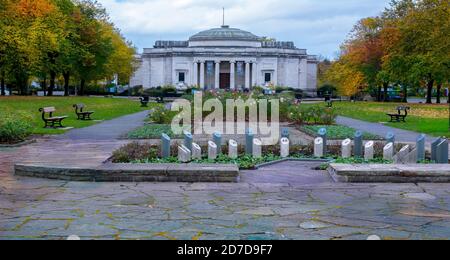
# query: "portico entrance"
{"type": "Point", "coordinates": [232, 75]}
{"type": "Point", "coordinates": [224, 80]}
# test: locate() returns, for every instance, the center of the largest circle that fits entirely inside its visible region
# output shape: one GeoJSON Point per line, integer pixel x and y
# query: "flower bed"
{"type": "Point", "coordinates": [147, 153]}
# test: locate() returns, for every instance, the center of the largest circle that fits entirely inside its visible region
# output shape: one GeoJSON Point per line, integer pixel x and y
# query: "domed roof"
{"type": "Point", "coordinates": [225, 33]}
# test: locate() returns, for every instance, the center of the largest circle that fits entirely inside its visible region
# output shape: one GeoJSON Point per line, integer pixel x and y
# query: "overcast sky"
{"type": "Point", "coordinates": [317, 25]}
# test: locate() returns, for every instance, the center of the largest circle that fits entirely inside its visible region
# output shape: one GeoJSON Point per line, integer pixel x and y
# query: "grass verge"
{"type": "Point", "coordinates": [105, 109]}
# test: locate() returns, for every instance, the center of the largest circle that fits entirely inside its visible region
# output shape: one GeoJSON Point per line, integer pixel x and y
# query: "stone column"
{"type": "Point", "coordinates": [195, 74]}
{"type": "Point", "coordinates": [202, 75]}
{"type": "Point", "coordinates": [217, 77]}
{"type": "Point", "coordinates": [232, 75]}
{"type": "Point", "coordinates": [254, 74]}
{"type": "Point", "coordinates": [247, 75]}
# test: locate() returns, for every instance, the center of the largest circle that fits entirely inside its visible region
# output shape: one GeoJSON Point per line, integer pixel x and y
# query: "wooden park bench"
{"type": "Point", "coordinates": [402, 113]}
{"type": "Point", "coordinates": [81, 114]}
{"type": "Point", "coordinates": [50, 120]}
{"type": "Point", "coordinates": [144, 101]}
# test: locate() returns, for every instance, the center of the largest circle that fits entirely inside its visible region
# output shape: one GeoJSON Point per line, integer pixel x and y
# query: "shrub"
{"type": "Point", "coordinates": [151, 131]}
{"type": "Point", "coordinates": [160, 115]}
{"type": "Point", "coordinates": [135, 151]}
{"type": "Point", "coordinates": [312, 115]}
{"type": "Point", "coordinates": [15, 127]}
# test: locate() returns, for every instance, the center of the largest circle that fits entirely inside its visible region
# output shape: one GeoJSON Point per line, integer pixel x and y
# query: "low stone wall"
{"type": "Point", "coordinates": [134, 173]}
{"type": "Point", "coordinates": [389, 173]}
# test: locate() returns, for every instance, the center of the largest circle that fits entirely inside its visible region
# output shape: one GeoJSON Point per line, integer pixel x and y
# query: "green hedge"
{"type": "Point", "coordinates": [15, 127]}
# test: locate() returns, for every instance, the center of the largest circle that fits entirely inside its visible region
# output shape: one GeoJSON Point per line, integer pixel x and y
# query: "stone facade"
{"type": "Point", "coordinates": [226, 58]}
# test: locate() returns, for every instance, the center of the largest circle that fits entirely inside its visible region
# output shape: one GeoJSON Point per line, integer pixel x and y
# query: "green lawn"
{"type": "Point", "coordinates": [336, 132]}
{"type": "Point", "coordinates": [152, 131]}
{"type": "Point", "coordinates": [423, 118]}
{"type": "Point", "coordinates": [105, 109]}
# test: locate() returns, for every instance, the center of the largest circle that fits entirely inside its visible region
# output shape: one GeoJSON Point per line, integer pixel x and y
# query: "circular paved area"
{"type": "Point", "coordinates": [284, 201]}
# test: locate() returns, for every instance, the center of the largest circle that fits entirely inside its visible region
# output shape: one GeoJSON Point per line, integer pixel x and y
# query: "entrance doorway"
{"type": "Point", "coordinates": [224, 81]}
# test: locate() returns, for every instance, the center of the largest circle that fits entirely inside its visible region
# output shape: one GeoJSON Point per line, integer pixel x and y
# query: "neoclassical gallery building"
{"type": "Point", "coordinates": [226, 58]}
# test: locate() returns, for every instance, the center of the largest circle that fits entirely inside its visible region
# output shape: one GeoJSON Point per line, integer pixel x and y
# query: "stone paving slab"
{"type": "Point", "coordinates": [284, 201]}
{"type": "Point", "coordinates": [396, 173]}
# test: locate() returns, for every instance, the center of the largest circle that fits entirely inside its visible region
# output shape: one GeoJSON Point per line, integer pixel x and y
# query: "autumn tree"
{"type": "Point", "coordinates": [47, 39]}
{"type": "Point", "coordinates": [121, 60]}
{"type": "Point", "coordinates": [419, 52]}
{"type": "Point", "coordinates": [4, 6]}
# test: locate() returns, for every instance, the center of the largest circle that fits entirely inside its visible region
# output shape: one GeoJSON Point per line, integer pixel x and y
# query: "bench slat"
{"type": "Point", "coordinates": [49, 109]}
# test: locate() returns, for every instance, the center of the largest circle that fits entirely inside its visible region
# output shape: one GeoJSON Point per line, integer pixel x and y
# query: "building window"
{"type": "Point", "coordinates": [267, 77]}
{"type": "Point", "coordinates": [181, 77]}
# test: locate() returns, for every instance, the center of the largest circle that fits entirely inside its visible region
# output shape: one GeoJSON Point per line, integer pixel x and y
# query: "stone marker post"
{"type": "Point", "coordinates": [257, 148]}
{"type": "Point", "coordinates": [402, 156]}
{"type": "Point", "coordinates": [188, 139]}
{"type": "Point", "coordinates": [249, 136]}
{"type": "Point", "coordinates": [284, 147]}
{"type": "Point", "coordinates": [165, 146]}
{"type": "Point", "coordinates": [318, 147]}
{"type": "Point", "coordinates": [232, 149]}
{"type": "Point", "coordinates": [390, 138]}
{"type": "Point", "coordinates": [196, 152]}
{"type": "Point", "coordinates": [323, 134]}
{"type": "Point", "coordinates": [184, 154]}
{"type": "Point", "coordinates": [217, 138]}
{"type": "Point", "coordinates": [420, 146]}
{"type": "Point", "coordinates": [358, 144]}
{"type": "Point", "coordinates": [369, 151]}
{"type": "Point", "coordinates": [212, 150]}
{"type": "Point", "coordinates": [347, 148]}
{"type": "Point", "coordinates": [388, 152]}
{"type": "Point", "coordinates": [442, 152]}
{"type": "Point", "coordinates": [434, 146]}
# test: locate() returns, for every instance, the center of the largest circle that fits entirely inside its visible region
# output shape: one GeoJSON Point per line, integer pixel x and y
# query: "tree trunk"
{"type": "Point", "coordinates": [439, 87]}
{"type": "Point", "coordinates": [66, 83]}
{"type": "Point", "coordinates": [430, 85]}
{"type": "Point", "coordinates": [82, 83]}
{"type": "Point", "coordinates": [405, 94]}
{"type": "Point", "coordinates": [385, 87]}
{"type": "Point", "coordinates": [21, 84]}
{"type": "Point", "coordinates": [379, 94]}
{"type": "Point", "coordinates": [44, 85]}
{"type": "Point", "coordinates": [52, 83]}
{"type": "Point", "coordinates": [448, 96]}
{"type": "Point", "coordinates": [3, 90]}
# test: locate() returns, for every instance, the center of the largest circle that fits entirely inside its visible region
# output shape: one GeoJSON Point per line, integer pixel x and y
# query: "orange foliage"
{"type": "Point", "coordinates": [33, 8]}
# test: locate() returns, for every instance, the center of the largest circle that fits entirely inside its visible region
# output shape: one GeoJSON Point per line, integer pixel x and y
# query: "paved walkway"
{"type": "Point", "coordinates": [380, 129]}
{"type": "Point", "coordinates": [284, 201]}
{"type": "Point", "coordinates": [109, 130]}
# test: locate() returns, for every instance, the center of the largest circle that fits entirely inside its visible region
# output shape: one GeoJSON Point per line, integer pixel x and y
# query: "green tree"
{"type": "Point", "coordinates": [121, 60]}
{"type": "Point", "coordinates": [95, 47]}
{"type": "Point", "coordinates": [420, 53]}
